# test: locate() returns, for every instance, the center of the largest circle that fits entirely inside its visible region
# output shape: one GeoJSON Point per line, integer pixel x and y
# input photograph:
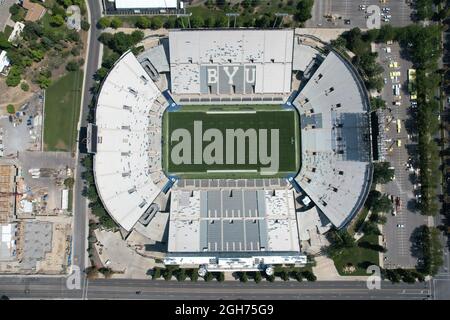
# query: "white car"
{"type": "Point", "coordinates": [400, 226]}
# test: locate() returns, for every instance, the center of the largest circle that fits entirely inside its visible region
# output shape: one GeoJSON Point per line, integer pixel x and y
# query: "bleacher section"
{"type": "Point", "coordinates": [127, 165]}
{"type": "Point", "coordinates": [336, 169]}
{"type": "Point", "coordinates": [231, 64]}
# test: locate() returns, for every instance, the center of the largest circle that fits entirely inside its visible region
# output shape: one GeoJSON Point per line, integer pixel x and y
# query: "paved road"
{"type": "Point", "coordinates": [349, 9]}
{"type": "Point", "coordinates": [80, 214]}
{"type": "Point", "coordinates": [54, 288]}
{"type": "Point", "coordinates": [4, 12]}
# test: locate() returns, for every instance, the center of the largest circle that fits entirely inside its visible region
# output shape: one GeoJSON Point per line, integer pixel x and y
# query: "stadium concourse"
{"type": "Point", "coordinates": [234, 223]}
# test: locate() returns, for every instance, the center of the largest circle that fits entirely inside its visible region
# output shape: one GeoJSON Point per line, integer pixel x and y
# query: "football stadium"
{"type": "Point", "coordinates": [234, 149]}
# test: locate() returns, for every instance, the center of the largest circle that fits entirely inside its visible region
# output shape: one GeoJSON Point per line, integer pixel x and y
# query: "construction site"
{"type": "Point", "coordinates": [35, 220]}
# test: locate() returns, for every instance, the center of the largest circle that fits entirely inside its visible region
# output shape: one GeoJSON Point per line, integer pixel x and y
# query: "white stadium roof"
{"type": "Point", "coordinates": [335, 171]}
{"type": "Point", "coordinates": [127, 164]}
{"type": "Point", "coordinates": [145, 4]}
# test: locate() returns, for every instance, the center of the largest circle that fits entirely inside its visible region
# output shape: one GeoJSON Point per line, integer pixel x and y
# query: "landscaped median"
{"type": "Point", "coordinates": [284, 273]}
{"type": "Point", "coordinates": [62, 107]}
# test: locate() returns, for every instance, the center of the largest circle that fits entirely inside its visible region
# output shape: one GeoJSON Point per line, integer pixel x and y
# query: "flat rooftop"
{"type": "Point", "coordinates": [233, 220]}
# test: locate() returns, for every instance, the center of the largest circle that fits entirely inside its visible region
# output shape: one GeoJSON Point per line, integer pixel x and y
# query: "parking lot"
{"type": "Point", "coordinates": [4, 12]}
{"type": "Point", "coordinates": [399, 127]}
{"type": "Point", "coordinates": [22, 131]}
{"type": "Point", "coordinates": [347, 13]}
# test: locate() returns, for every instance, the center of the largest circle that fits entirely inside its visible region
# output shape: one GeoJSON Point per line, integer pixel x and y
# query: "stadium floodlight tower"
{"type": "Point", "coordinates": [188, 15]}
{"type": "Point", "coordinates": [279, 14]}
{"type": "Point", "coordinates": [232, 14]}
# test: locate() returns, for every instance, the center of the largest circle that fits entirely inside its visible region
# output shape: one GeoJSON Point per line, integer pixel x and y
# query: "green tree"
{"type": "Point", "coordinates": [4, 43]}
{"type": "Point", "coordinates": [387, 33]}
{"type": "Point", "coordinates": [103, 23]}
{"type": "Point", "coordinates": [370, 227]}
{"type": "Point", "coordinates": [142, 22]}
{"type": "Point", "coordinates": [378, 202]}
{"type": "Point", "coordinates": [377, 103]}
{"type": "Point", "coordinates": [382, 172]}
{"type": "Point", "coordinates": [298, 276]}
{"type": "Point", "coordinates": [392, 275]}
{"type": "Point", "coordinates": [56, 21]}
{"type": "Point", "coordinates": [107, 272]}
{"type": "Point", "coordinates": [340, 239]}
{"type": "Point", "coordinates": [156, 274]}
{"type": "Point", "coordinates": [194, 275]}
{"type": "Point", "coordinates": [284, 275]}
{"type": "Point", "coordinates": [220, 277]}
{"type": "Point", "coordinates": [115, 23]}
{"type": "Point", "coordinates": [378, 218]}
{"type": "Point", "coordinates": [210, 22]}
{"type": "Point", "coordinates": [157, 23]}
{"type": "Point", "coordinates": [303, 12]}
{"type": "Point", "coordinates": [208, 277]}
{"type": "Point", "coordinates": [258, 277]}
{"type": "Point", "coordinates": [309, 275]}
{"type": "Point", "coordinates": [24, 86]}
{"type": "Point", "coordinates": [43, 81]}
{"type": "Point", "coordinates": [181, 274]}
{"type": "Point", "coordinates": [14, 76]}
{"type": "Point", "coordinates": [85, 25]}
{"type": "Point", "coordinates": [72, 66]}
{"type": "Point", "coordinates": [167, 274]}
{"type": "Point", "coordinates": [69, 182]}
{"type": "Point", "coordinates": [10, 108]}
{"type": "Point", "coordinates": [197, 21]}
{"type": "Point", "coordinates": [243, 277]}
{"type": "Point", "coordinates": [221, 21]}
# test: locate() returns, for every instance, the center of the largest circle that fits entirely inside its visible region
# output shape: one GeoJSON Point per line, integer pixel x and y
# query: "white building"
{"type": "Point", "coordinates": [232, 229]}
{"type": "Point", "coordinates": [15, 34]}
{"type": "Point", "coordinates": [145, 4]}
{"type": "Point", "coordinates": [7, 242]}
{"type": "Point", "coordinates": [127, 163]}
{"type": "Point", "coordinates": [4, 61]}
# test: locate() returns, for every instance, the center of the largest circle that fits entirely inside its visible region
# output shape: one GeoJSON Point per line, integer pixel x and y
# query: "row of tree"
{"type": "Point", "coordinates": [181, 274]}
{"type": "Point", "coordinates": [428, 247]}
{"type": "Point", "coordinates": [120, 42]}
{"type": "Point", "coordinates": [248, 16]}
{"type": "Point", "coordinates": [90, 191]}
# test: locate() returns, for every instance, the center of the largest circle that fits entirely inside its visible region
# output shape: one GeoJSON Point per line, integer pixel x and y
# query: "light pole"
{"type": "Point", "coordinates": [188, 15]}
{"type": "Point", "coordinates": [279, 14]}
{"type": "Point", "coordinates": [233, 14]}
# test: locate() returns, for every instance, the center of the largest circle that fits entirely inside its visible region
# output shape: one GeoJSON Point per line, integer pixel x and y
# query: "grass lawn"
{"type": "Point", "coordinates": [205, 12]}
{"type": "Point", "coordinates": [261, 117]}
{"type": "Point", "coordinates": [8, 30]}
{"type": "Point", "coordinates": [358, 221]}
{"type": "Point", "coordinates": [359, 257]}
{"type": "Point", "coordinates": [62, 107]}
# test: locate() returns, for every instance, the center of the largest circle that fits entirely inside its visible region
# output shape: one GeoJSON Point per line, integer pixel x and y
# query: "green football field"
{"type": "Point", "coordinates": [226, 119]}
